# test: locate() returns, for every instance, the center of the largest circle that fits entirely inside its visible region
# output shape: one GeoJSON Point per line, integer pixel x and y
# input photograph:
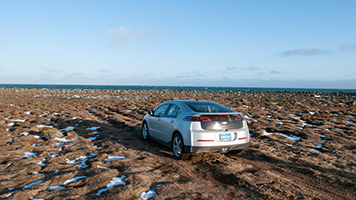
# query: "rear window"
{"type": "Point", "coordinates": [207, 107]}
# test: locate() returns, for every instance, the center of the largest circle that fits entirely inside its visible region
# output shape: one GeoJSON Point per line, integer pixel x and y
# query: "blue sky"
{"type": "Point", "coordinates": [294, 43]}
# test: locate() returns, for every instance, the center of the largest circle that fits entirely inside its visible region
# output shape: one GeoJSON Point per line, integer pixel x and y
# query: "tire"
{"type": "Point", "coordinates": [233, 152]}
{"type": "Point", "coordinates": [178, 147]}
{"type": "Point", "coordinates": [145, 132]}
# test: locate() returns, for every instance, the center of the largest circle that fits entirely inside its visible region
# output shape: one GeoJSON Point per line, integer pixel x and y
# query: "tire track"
{"type": "Point", "coordinates": [326, 191]}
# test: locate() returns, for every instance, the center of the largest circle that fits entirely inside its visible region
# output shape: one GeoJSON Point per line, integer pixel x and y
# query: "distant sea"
{"type": "Point", "coordinates": [200, 88]}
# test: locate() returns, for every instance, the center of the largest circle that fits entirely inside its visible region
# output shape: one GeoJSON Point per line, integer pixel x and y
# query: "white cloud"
{"type": "Point", "coordinates": [305, 52]}
{"type": "Point", "coordinates": [348, 47]}
{"type": "Point", "coordinates": [251, 69]}
{"type": "Point", "coordinates": [122, 36]}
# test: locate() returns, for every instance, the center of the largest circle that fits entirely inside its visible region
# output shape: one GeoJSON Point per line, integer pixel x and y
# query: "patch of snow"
{"type": "Point", "coordinates": [312, 113]}
{"type": "Point", "coordinates": [15, 138]}
{"type": "Point", "coordinates": [351, 122]}
{"type": "Point", "coordinates": [72, 180]}
{"type": "Point", "coordinates": [93, 128]}
{"type": "Point", "coordinates": [281, 123]}
{"type": "Point", "coordinates": [28, 112]}
{"type": "Point", "coordinates": [291, 137]}
{"type": "Point", "coordinates": [93, 133]}
{"type": "Point", "coordinates": [36, 198]}
{"type": "Point", "coordinates": [93, 138]}
{"type": "Point", "coordinates": [8, 129]}
{"type": "Point", "coordinates": [18, 120]}
{"type": "Point", "coordinates": [265, 133]}
{"type": "Point", "coordinates": [80, 163]}
{"type": "Point", "coordinates": [118, 143]}
{"type": "Point", "coordinates": [69, 128]}
{"type": "Point", "coordinates": [24, 133]}
{"type": "Point", "coordinates": [44, 126]}
{"type": "Point", "coordinates": [11, 188]}
{"type": "Point", "coordinates": [112, 158]}
{"type": "Point", "coordinates": [70, 161]}
{"type": "Point", "coordinates": [12, 124]}
{"type": "Point", "coordinates": [57, 171]}
{"type": "Point", "coordinates": [269, 116]}
{"type": "Point", "coordinates": [318, 145]}
{"type": "Point", "coordinates": [150, 193]}
{"type": "Point", "coordinates": [317, 96]}
{"type": "Point", "coordinates": [58, 149]}
{"type": "Point", "coordinates": [335, 114]}
{"type": "Point", "coordinates": [114, 181]}
{"type": "Point", "coordinates": [41, 163]}
{"type": "Point", "coordinates": [8, 195]}
{"type": "Point", "coordinates": [63, 141]}
{"type": "Point", "coordinates": [316, 151]}
{"type": "Point", "coordinates": [57, 187]}
{"type": "Point", "coordinates": [27, 155]}
{"type": "Point", "coordinates": [32, 184]}
{"type": "Point", "coordinates": [93, 147]}
{"type": "Point", "coordinates": [100, 167]}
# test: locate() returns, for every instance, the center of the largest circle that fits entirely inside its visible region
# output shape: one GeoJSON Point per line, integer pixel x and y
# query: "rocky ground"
{"type": "Point", "coordinates": [302, 146]}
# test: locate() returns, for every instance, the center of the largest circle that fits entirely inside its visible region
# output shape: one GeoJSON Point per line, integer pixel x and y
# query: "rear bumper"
{"type": "Point", "coordinates": [219, 149]}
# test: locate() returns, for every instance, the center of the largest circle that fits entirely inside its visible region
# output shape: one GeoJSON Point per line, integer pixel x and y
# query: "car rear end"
{"type": "Point", "coordinates": [216, 132]}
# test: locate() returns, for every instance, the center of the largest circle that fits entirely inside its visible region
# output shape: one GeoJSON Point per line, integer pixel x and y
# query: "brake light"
{"type": "Point", "coordinates": [197, 119]}
{"type": "Point", "coordinates": [239, 118]}
{"type": "Point", "coordinates": [205, 119]}
{"type": "Point", "coordinates": [191, 119]}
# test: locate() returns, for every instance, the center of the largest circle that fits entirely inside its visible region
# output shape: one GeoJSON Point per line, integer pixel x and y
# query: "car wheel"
{"type": "Point", "coordinates": [145, 132]}
{"type": "Point", "coordinates": [178, 148]}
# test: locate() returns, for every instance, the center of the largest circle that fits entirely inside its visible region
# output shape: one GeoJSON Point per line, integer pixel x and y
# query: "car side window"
{"type": "Point", "coordinates": [161, 110]}
{"type": "Point", "coordinates": [173, 111]}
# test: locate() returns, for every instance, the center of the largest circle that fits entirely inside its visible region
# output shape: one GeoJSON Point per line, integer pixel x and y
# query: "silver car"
{"type": "Point", "coordinates": [196, 126]}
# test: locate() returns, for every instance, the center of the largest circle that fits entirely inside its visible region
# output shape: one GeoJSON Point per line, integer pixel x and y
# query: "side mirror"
{"type": "Point", "coordinates": [150, 112]}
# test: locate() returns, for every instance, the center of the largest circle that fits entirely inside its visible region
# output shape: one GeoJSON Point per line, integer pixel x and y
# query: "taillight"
{"type": "Point", "coordinates": [197, 119]}
{"type": "Point", "coordinates": [239, 118]}
{"type": "Point", "coordinates": [205, 119]}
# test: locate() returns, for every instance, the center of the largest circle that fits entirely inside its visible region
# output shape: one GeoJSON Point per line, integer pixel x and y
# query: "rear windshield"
{"type": "Point", "coordinates": [207, 107]}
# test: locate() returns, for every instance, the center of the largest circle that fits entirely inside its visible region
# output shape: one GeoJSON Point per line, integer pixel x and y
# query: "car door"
{"type": "Point", "coordinates": [154, 121]}
{"type": "Point", "coordinates": [168, 122]}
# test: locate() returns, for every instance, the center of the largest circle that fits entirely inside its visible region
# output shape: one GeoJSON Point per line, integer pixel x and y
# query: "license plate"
{"type": "Point", "coordinates": [225, 137]}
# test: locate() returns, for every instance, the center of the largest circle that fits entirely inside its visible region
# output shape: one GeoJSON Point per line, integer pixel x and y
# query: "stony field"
{"type": "Point", "coordinates": [302, 146]}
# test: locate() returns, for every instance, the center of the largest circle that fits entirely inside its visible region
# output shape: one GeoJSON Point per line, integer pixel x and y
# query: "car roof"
{"type": "Point", "coordinates": [182, 101]}
{"type": "Point", "coordinates": [182, 104]}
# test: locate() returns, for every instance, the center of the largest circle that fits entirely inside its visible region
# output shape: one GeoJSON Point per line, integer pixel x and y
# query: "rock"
{"type": "Point", "coordinates": [52, 133]}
